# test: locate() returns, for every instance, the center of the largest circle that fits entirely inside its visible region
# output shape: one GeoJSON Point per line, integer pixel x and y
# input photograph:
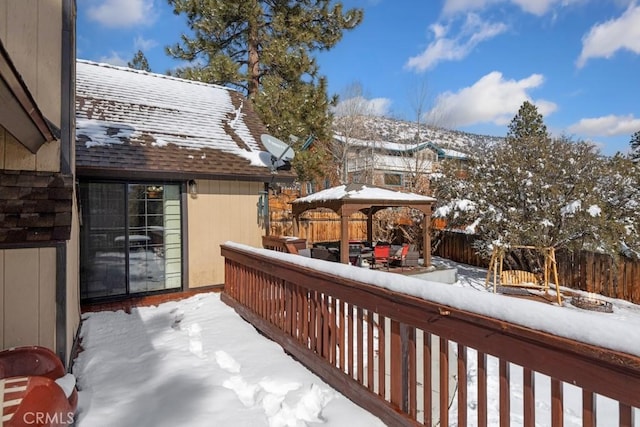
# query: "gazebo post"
{"type": "Point", "coordinates": [370, 226]}
{"type": "Point", "coordinates": [296, 226]}
{"type": "Point", "coordinates": [344, 236]}
{"type": "Point", "coordinates": [426, 233]}
{"type": "Point", "coordinates": [427, 242]}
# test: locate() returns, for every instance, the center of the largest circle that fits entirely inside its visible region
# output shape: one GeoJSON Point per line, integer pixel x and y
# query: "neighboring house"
{"type": "Point", "coordinates": [395, 165]}
{"type": "Point", "coordinates": [38, 213]}
{"type": "Point", "coordinates": [169, 169]}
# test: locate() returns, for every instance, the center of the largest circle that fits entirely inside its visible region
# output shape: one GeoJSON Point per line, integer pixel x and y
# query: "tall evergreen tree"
{"type": "Point", "coordinates": [265, 47]}
{"type": "Point", "coordinates": [139, 62]}
{"type": "Point", "coordinates": [528, 124]}
{"type": "Point", "coordinates": [635, 147]}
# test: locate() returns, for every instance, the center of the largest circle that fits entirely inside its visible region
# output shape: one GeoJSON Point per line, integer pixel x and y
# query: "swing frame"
{"type": "Point", "coordinates": [550, 267]}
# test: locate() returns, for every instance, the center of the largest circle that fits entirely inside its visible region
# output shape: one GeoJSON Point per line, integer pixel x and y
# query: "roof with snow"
{"type": "Point", "coordinates": [382, 145]}
{"type": "Point", "coordinates": [399, 147]}
{"type": "Point", "coordinates": [363, 192]}
{"type": "Point", "coordinates": [156, 126]}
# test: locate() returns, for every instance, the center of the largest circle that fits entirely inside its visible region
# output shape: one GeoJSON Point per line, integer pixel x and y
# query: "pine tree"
{"type": "Point", "coordinates": [139, 62]}
{"type": "Point", "coordinates": [635, 147]}
{"type": "Point", "coordinates": [528, 124]}
{"type": "Point", "coordinates": [264, 48]}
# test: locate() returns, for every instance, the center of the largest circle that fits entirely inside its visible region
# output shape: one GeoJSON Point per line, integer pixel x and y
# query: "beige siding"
{"type": "Point", "coordinates": [73, 281]}
{"type": "Point", "coordinates": [47, 297]}
{"type": "Point", "coordinates": [2, 298]}
{"type": "Point", "coordinates": [31, 31]}
{"type": "Point", "coordinates": [49, 53]}
{"type": "Point", "coordinates": [19, 270]}
{"type": "Point", "coordinates": [28, 304]}
{"type": "Point", "coordinates": [3, 19]}
{"type": "Point", "coordinates": [222, 211]}
{"type": "Point", "coordinates": [16, 156]}
{"type": "Point", "coordinates": [3, 134]}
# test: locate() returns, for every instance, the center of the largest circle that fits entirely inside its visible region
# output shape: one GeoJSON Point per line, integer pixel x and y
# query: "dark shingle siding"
{"type": "Point", "coordinates": [36, 207]}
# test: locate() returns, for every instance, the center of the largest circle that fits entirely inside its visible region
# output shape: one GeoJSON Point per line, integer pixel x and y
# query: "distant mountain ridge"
{"type": "Point", "coordinates": [393, 130]}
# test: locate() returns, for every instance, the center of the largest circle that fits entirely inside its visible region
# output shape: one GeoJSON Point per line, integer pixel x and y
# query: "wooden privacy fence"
{"type": "Point", "coordinates": [600, 274]}
{"type": "Point", "coordinates": [584, 270]}
{"type": "Point", "coordinates": [317, 226]}
{"type": "Point", "coordinates": [396, 355]}
{"type": "Point", "coordinates": [458, 247]}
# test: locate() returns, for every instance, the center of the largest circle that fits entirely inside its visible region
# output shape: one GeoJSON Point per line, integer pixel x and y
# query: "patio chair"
{"type": "Point", "coordinates": [324, 254]}
{"type": "Point", "coordinates": [381, 255]}
{"type": "Point", "coordinates": [412, 257]}
{"type": "Point", "coordinates": [400, 256]}
{"type": "Point", "coordinates": [33, 382]}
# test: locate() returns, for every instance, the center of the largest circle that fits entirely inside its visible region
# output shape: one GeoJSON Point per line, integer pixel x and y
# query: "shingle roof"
{"type": "Point", "coordinates": [132, 123]}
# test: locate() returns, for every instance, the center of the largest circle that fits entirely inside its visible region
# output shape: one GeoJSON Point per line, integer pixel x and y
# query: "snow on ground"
{"type": "Point", "coordinates": [195, 362]}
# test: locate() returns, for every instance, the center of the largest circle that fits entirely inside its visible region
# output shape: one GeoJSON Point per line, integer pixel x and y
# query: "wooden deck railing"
{"type": "Point", "coordinates": [408, 360]}
{"type": "Point", "coordinates": [286, 244]}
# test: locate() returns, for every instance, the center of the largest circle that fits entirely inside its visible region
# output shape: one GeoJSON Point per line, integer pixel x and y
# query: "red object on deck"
{"type": "Point", "coordinates": [31, 396]}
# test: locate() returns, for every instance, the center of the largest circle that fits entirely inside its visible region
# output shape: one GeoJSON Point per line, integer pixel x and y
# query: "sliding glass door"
{"type": "Point", "coordinates": [130, 238]}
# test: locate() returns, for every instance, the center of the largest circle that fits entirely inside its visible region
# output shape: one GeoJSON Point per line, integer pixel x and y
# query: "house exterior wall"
{"type": "Point", "coordinates": [366, 159]}
{"type": "Point", "coordinates": [27, 281]}
{"type": "Point", "coordinates": [32, 33]}
{"type": "Point", "coordinates": [72, 294]}
{"type": "Point", "coordinates": [221, 211]}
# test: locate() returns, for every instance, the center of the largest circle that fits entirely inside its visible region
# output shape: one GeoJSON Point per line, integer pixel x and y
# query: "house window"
{"type": "Point", "coordinates": [393, 179]}
{"type": "Point", "coordinates": [309, 187]}
{"type": "Point", "coordinates": [130, 239]}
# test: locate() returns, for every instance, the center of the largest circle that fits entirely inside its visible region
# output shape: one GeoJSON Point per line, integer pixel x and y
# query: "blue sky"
{"type": "Point", "coordinates": [469, 63]}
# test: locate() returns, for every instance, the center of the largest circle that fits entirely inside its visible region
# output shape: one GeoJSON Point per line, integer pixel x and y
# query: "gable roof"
{"type": "Point", "coordinates": [132, 123]}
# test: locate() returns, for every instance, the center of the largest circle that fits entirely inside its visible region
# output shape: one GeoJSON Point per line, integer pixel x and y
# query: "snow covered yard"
{"type": "Point", "coordinates": [195, 362]}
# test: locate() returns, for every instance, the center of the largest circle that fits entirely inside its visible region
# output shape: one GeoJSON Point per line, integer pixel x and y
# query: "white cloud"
{"type": "Point", "coordinates": [603, 40]}
{"type": "Point", "coordinates": [534, 7]}
{"type": "Point", "coordinates": [492, 99]}
{"type": "Point", "coordinates": [122, 13]}
{"type": "Point", "coordinates": [361, 105]}
{"type": "Point", "coordinates": [143, 44]}
{"type": "Point", "coordinates": [114, 59]}
{"type": "Point", "coordinates": [610, 125]}
{"type": "Point", "coordinates": [473, 31]}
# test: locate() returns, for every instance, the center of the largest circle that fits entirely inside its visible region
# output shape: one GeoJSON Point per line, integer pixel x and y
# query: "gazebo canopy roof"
{"type": "Point", "coordinates": [348, 199]}
{"type": "Point", "coordinates": [359, 197]}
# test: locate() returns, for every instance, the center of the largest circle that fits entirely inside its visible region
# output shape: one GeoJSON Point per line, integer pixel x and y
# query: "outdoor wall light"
{"type": "Point", "coordinates": [193, 187]}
